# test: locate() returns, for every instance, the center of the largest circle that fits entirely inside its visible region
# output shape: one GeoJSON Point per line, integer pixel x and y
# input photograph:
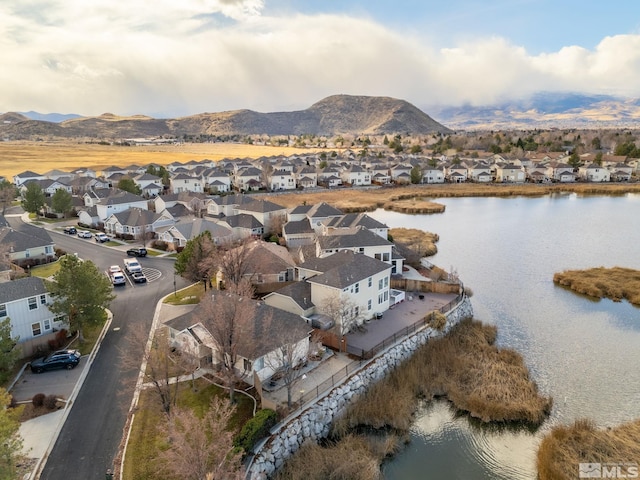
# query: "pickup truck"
{"type": "Point", "coordinates": [132, 265]}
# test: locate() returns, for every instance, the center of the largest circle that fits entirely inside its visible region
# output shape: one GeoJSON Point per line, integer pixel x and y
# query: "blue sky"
{"type": "Point", "coordinates": [168, 58]}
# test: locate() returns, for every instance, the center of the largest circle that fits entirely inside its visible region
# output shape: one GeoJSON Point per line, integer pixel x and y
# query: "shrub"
{"type": "Point", "coordinates": [437, 320]}
{"type": "Point", "coordinates": [38, 400]}
{"type": "Point", "coordinates": [160, 245]}
{"type": "Point", "coordinates": [255, 429]}
{"type": "Point", "coordinates": [60, 252]}
{"type": "Point", "coordinates": [50, 402]}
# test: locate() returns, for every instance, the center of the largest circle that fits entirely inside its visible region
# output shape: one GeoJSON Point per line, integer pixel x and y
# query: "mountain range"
{"type": "Point", "coordinates": [334, 115]}
{"type": "Point", "coordinates": [544, 110]}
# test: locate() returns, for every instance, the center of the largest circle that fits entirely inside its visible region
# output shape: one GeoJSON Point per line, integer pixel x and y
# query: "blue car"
{"type": "Point", "coordinates": [68, 359]}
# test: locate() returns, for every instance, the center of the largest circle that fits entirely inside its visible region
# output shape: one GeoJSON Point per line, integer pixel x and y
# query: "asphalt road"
{"type": "Point", "coordinates": [89, 440]}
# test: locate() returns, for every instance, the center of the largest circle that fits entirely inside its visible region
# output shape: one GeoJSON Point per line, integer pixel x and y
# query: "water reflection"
{"type": "Point", "coordinates": [582, 352]}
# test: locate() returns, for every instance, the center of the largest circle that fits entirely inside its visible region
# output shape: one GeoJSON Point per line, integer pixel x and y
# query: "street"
{"type": "Point", "coordinates": [88, 442]}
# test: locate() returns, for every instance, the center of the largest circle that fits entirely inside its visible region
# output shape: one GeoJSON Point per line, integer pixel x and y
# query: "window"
{"type": "Point", "coordinates": [35, 329]}
{"type": "Point", "coordinates": [369, 305]}
{"type": "Point", "coordinates": [380, 284]}
{"type": "Point", "coordinates": [43, 299]}
{"type": "Point", "coordinates": [386, 281]}
{"type": "Point", "coordinates": [357, 287]}
{"type": "Point", "coordinates": [370, 281]}
{"type": "Point", "coordinates": [246, 365]}
{"type": "Point", "coordinates": [47, 325]}
{"type": "Point", "coordinates": [259, 364]}
{"type": "Point", "coordinates": [27, 254]}
{"type": "Point", "coordinates": [379, 299]}
{"type": "Point", "coordinates": [3, 310]}
{"type": "Point", "coordinates": [33, 303]}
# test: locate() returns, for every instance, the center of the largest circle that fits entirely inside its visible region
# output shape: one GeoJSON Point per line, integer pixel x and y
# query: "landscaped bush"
{"type": "Point", "coordinates": [38, 400]}
{"type": "Point", "coordinates": [160, 245]}
{"type": "Point", "coordinates": [255, 429]}
{"type": "Point", "coordinates": [50, 402]}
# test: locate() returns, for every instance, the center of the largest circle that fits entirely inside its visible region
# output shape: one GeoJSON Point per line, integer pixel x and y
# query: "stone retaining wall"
{"type": "Point", "coordinates": [314, 421]}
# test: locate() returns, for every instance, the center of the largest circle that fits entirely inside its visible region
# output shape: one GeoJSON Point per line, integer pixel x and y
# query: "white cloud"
{"type": "Point", "coordinates": [175, 58]}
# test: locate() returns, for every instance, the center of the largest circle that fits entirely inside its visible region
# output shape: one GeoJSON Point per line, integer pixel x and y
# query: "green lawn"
{"type": "Point", "coordinates": [147, 440]}
{"type": "Point", "coordinates": [44, 271]}
{"type": "Point", "coordinates": [187, 296]}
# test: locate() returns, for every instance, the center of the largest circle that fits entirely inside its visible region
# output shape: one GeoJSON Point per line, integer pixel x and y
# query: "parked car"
{"type": "Point", "coordinates": [101, 237]}
{"type": "Point", "coordinates": [84, 234]}
{"type": "Point", "coordinates": [61, 359]}
{"type": "Point", "coordinates": [70, 230]}
{"type": "Point", "coordinates": [131, 265]}
{"type": "Point", "coordinates": [118, 278]}
{"type": "Point", "coordinates": [139, 277]}
{"type": "Point", "coordinates": [137, 252]}
{"type": "Point", "coordinates": [114, 269]}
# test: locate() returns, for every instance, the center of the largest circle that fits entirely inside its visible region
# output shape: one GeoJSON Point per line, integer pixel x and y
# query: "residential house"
{"type": "Point", "coordinates": [118, 201]}
{"type": "Point", "coordinates": [48, 187]}
{"type": "Point", "coordinates": [25, 176]}
{"type": "Point", "coordinates": [216, 180]}
{"type": "Point", "coordinates": [594, 173]}
{"type": "Point", "coordinates": [355, 176]}
{"type": "Point", "coordinates": [509, 173]}
{"type": "Point", "coordinates": [227, 205]}
{"type": "Point", "coordinates": [183, 182]}
{"type": "Point", "coordinates": [620, 172]}
{"type": "Point", "coordinates": [354, 220]}
{"type": "Point", "coordinates": [432, 175]}
{"type": "Point", "coordinates": [243, 226]}
{"type": "Point", "coordinates": [177, 236]}
{"type": "Point", "coordinates": [282, 180]}
{"type": "Point", "coordinates": [560, 172]}
{"type": "Point", "coordinates": [294, 298]}
{"type": "Point", "coordinates": [29, 245]}
{"type": "Point", "coordinates": [248, 179]}
{"type": "Point", "coordinates": [355, 285]}
{"type": "Point", "coordinates": [26, 302]}
{"type": "Point", "coordinates": [456, 173]}
{"type": "Point", "coordinates": [306, 177]}
{"type": "Point", "coordinates": [479, 172]}
{"type": "Point", "coordinates": [319, 213]}
{"type": "Point", "coordinates": [268, 263]}
{"type": "Point", "coordinates": [264, 332]}
{"type": "Point", "coordinates": [136, 223]}
{"type": "Point", "coordinates": [150, 185]}
{"type": "Point", "coordinates": [297, 233]}
{"type": "Point", "coordinates": [194, 203]}
{"type": "Point", "coordinates": [271, 215]}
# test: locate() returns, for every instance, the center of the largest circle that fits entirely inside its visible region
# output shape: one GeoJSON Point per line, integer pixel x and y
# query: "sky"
{"type": "Point", "coordinates": [171, 58]}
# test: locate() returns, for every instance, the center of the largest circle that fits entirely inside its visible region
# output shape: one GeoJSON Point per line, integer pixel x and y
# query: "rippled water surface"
{"type": "Point", "coordinates": [584, 353]}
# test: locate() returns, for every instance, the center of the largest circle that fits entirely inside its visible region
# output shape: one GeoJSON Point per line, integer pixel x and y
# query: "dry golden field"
{"type": "Point", "coordinates": [40, 157]}
{"type": "Point", "coordinates": [615, 283]}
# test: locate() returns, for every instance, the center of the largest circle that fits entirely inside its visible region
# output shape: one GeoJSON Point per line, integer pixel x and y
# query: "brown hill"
{"type": "Point", "coordinates": [338, 114]}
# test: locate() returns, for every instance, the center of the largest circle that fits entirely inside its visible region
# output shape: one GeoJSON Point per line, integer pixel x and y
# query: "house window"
{"type": "Point", "coordinates": [380, 299]}
{"type": "Point", "coordinates": [27, 254]}
{"type": "Point", "coordinates": [47, 325]}
{"type": "Point", "coordinates": [357, 287]}
{"type": "Point", "coordinates": [369, 305]}
{"type": "Point", "coordinates": [3, 310]}
{"type": "Point", "coordinates": [259, 364]}
{"type": "Point", "coordinates": [386, 281]}
{"type": "Point", "coordinates": [33, 303]}
{"type": "Point", "coordinates": [370, 282]}
{"type": "Point", "coordinates": [48, 249]}
{"type": "Point", "coordinates": [380, 284]}
{"type": "Point", "coordinates": [43, 299]}
{"type": "Point", "coordinates": [246, 365]}
{"type": "Point", "coordinates": [35, 329]}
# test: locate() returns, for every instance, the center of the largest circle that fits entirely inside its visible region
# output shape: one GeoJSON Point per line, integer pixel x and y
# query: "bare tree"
{"type": "Point", "coordinates": [287, 359]}
{"type": "Point", "coordinates": [228, 317]}
{"type": "Point", "coordinates": [234, 264]}
{"type": "Point", "coordinates": [343, 310]}
{"type": "Point", "coordinates": [7, 195]}
{"type": "Point", "coordinates": [266, 170]}
{"type": "Point", "coordinates": [161, 367]}
{"type": "Point", "coordinates": [202, 447]}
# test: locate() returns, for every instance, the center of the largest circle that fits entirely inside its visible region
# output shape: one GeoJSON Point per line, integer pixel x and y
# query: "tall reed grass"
{"type": "Point", "coordinates": [614, 283]}
{"type": "Point", "coordinates": [565, 447]}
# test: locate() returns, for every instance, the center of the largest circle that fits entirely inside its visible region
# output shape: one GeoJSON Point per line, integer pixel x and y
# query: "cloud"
{"type": "Point", "coordinates": [168, 58]}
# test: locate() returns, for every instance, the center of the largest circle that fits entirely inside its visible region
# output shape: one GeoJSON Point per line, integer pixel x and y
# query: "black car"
{"type": "Point", "coordinates": [61, 359]}
{"type": "Point", "coordinates": [70, 230]}
{"type": "Point", "coordinates": [137, 252]}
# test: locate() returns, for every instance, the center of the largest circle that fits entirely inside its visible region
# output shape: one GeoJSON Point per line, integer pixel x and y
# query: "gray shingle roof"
{"type": "Point", "coordinates": [297, 227]}
{"type": "Point", "coordinates": [299, 292]}
{"type": "Point", "coordinates": [323, 210]}
{"type": "Point", "coordinates": [27, 237]}
{"type": "Point", "coordinates": [354, 220]}
{"type": "Point", "coordinates": [243, 220]}
{"type": "Point", "coordinates": [261, 206]}
{"type": "Point", "coordinates": [343, 269]}
{"type": "Point", "coordinates": [22, 288]}
{"type": "Point", "coordinates": [351, 238]}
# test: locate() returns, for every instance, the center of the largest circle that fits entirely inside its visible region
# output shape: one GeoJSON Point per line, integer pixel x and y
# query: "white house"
{"type": "Point", "coordinates": [26, 302]}
{"type": "Point", "coordinates": [282, 180]}
{"type": "Point", "coordinates": [509, 173]}
{"type": "Point", "coordinates": [186, 183]}
{"type": "Point", "coordinates": [357, 284]}
{"type": "Point", "coordinates": [137, 223]}
{"type": "Point", "coordinates": [594, 173]}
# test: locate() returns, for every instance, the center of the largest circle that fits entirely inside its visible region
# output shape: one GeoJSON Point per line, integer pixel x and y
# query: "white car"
{"type": "Point", "coordinates": [118, 278]}
{"type": "Point", "coordinates": [84, 234]}
{"type": "Point", "coordinates": [114, 269]}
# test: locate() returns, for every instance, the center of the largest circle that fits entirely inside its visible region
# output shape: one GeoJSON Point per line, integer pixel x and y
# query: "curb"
{"type": "Point", "coordinates": [35, 474]}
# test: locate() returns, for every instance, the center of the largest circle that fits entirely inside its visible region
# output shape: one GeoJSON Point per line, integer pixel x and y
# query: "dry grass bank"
{"type": "Point", "coordinates": [565, 447]}
{"type": "Point", "coordinates": [615, 283]}
{"type": "Point", "coordinates": [16, 157]}
{"type": "Point", "coordinates": [465, 366]}
{"type": "Point", "coordinates": [418, 241]}
{"type": "Point", "coordinates": [491, 384]}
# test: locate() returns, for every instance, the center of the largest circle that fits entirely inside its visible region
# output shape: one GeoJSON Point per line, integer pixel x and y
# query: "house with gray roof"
{"type": "Point", "coordinates": [294, 298]}
{"type": "Point", "coordinates": [265, 331]}
{"type": "Point", "coordinates": [137, 223]}
{"type": "Point", "coordinates": [271, 215]}
{"type": "Point", "coordinates": [179, 234]}
{"type": "Point", "coordinates": [352, 220]}
{"type": "Point", "coordinates": [28, 245]}
{"type": "Point", "coordinates": [26, 302]}
{"type": "Point", "coordinates": [348, 287]}
{"type": "Point", "coordinates": [243, 226]}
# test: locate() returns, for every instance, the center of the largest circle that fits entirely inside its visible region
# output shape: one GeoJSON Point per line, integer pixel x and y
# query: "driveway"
{"type": "Point", "coordinates": [54, 382]}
